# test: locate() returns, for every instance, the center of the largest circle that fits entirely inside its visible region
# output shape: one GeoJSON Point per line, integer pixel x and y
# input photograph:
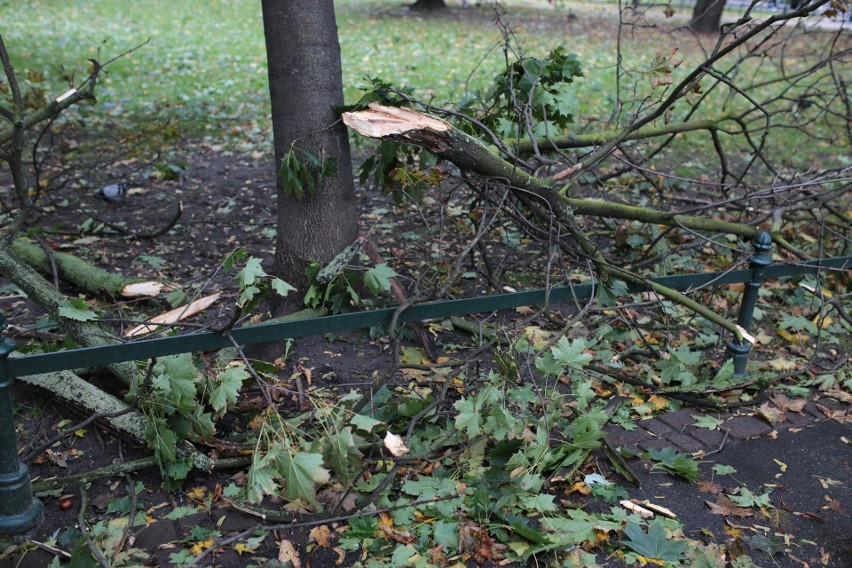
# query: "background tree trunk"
{"type": "Point", "coordinates": [305, 86]}
{"type": "Point", "coordinates": [707, 16]}
{"type": "Point", "coordinates": [427, 5]}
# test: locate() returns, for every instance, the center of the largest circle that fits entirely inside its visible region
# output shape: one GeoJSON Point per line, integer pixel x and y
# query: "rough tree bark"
{"type": "Point", "coordinates": [305, 85]}
{"type": "Point", "coordinates": [707, 16]}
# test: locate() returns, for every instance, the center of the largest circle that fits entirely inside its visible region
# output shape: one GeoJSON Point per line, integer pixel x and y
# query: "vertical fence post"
{"type": "Point", "coordinates": [739, 350]}
{"type": "Point", "coordinates": [19, 510]}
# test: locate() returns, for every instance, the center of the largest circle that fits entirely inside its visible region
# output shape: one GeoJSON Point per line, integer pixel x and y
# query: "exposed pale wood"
{"type": "Point", "coordinates": [173, 316]}
{"type": "Point", "coordinates": [148, 289]}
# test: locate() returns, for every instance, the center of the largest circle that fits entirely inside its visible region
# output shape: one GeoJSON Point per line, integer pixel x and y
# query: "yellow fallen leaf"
{"type": "Point", "coordinates": [658, 402]}
{"type": "Point", "coordinates": [197, 493]}
{"type": "Point", "coordinates": [781, 364]}
{"type": "Point", "coordinates": [793, 337]}
{"type": "Point", "coordinates": [80, 432]}
{"type": "Point", "coordinates": [242, 549]}
{"type": "Point", "coordinates": [200, 547]}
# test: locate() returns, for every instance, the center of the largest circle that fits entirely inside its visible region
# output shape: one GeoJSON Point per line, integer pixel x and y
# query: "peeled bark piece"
{"type": "Point", "coordinates": [74, 270]}
{"type": "Point", "coordinates": [173, 316]}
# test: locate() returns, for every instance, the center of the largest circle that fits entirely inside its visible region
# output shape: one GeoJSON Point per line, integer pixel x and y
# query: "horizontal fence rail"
{"type": "Point", "coordinates": [263, 333]}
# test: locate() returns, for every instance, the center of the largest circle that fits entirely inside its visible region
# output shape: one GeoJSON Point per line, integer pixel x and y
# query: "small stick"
{"type": "Point", "coordinates": [402, 298]}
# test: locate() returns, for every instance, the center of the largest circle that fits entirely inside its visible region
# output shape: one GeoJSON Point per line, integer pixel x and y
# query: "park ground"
{"type": "Point", "coordinates": [784, 456]}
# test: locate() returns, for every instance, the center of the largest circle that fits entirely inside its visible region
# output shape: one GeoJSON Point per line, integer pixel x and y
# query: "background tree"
{"type": "Point", "coordinates": [428, 5]}
{"type": "Point", "coordinates": [305, 86]}
{"type": "Point", "coordinates": [707, 16]}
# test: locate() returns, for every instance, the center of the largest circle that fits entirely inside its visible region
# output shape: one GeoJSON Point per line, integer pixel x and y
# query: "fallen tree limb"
{"type": "Point", "coordinates": [470, 155]}
{"type": "Point", "coordinates": [74, 270]}
{"type": "Point", "coordinates": [40, 291]}
{"type": "Point", "coordinates": [72, 390]}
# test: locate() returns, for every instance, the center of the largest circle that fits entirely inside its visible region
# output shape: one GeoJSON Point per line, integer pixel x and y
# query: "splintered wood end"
{"type": "Point", "coordinates": [384, 121]}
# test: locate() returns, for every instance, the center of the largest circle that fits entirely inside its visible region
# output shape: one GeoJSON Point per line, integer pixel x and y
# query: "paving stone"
{"type": "Point", "coordinates": [678, 421]}
{"type": "Point", "coordinates": [799, 420]}
{"type": "Point", "coordinates": [745, 427]}
{"type": "Point", "coordinates": [656, 427]}
{"type": "Point", "coordinates": [811, 408]}
{"type": "Point", "coordinates": [685, 443]}
{"type": "Point", "coordinates": [620, 438]}
{"type": "Point", "coordinates": [656, 443]}
{"type": "Point", "coordinates": [708, 438]}
{"type": "Point", "coordinates": [157, 533]}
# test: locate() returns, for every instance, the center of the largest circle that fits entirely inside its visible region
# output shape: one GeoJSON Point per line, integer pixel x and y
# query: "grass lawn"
{"type": "Point", "coordinates": [204, 62]}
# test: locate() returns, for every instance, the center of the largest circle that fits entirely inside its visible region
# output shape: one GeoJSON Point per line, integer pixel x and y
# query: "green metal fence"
{"type": "Point", "coordinates": [20, 512]}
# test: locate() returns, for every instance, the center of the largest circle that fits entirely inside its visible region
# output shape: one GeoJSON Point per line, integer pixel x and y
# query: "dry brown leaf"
{"type": "Point", "coordinates": [708, 487]}
{"type": "Point", "coordinates": [341, 555]}
{"type": "Point", "coordinates": [836, 414]}
{"type": "Point", "coordinates": [787, 404]}
{"type": "Point", "coordinates": [288, 553]}
{"type": "Point", "coordinates": [839, 395]}
{"type": "Point", "coordinates": [173, 316]}
{"type": "Point", "coordinates": [322, 535]}
{"type": "Point", "coordinates": [395, 444]}
{"type": "Point", "coordinates": [770, 413]}
{"type": "Point", "coordinates": [725, 507]}
{"type": "Point", "coordinates": [395, 535]}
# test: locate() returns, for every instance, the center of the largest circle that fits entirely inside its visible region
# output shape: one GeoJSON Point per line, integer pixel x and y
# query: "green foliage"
{"type": "Point", "coordinates": [653, 544]}
{"type": "Point", "coordinates": [301, 172]}
{"type": "Point", "coordinates": [669, 460]}
{"type": "Point", "coordinates": [545, 83]}
{"type": "Point", "coordinates": [745, 498]}
{"type": "Point", "coordinates": [78, 310]}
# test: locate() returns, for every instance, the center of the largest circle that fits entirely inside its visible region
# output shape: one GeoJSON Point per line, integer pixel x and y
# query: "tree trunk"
{"type": "Point", "coordinates": [428, 5]}
{"type": "Point", "coordinates": [305, 85]}
{"type": "Point", "coordinates": [707, 16]}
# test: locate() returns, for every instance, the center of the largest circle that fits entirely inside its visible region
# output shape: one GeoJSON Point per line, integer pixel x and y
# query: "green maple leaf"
{"type": "Point", "coordinates": [301, 471]}
{"type": "Point", "coordinates": [675, 463]}
{"type": "Point", "coordinates": [573, 529]}
{"type": "Point", "coordinates": [378, 279]}
{"type": "Point", "coordinates": [76, 309]}
{"type": "Point", "coordinates": [281, 288]}
{"type": "Point", "coordinates": [227, 386]}
{"type": "Point", "coordinates": [174, 377]}
{"type": "Point", "coordinates": [571, 353]}
{"type": "Point", "coordinates": [708, 422]}
{"type": "Point", "coordinates": [468, 418]}
{"type": "Point", "coordinates": [653, 544]}
{"type": "Point", "coordinates": [250, 272]}
{"type": "Point", "coordinates": [261, 477]}
{"type": "Point", "coordinates": [341, 451]}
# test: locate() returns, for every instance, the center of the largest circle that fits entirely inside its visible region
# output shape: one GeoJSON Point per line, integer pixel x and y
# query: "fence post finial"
{"type": "Point", "coordinates": [739, 350]}
{"type": "Point", "coordinates": [19, 510]}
